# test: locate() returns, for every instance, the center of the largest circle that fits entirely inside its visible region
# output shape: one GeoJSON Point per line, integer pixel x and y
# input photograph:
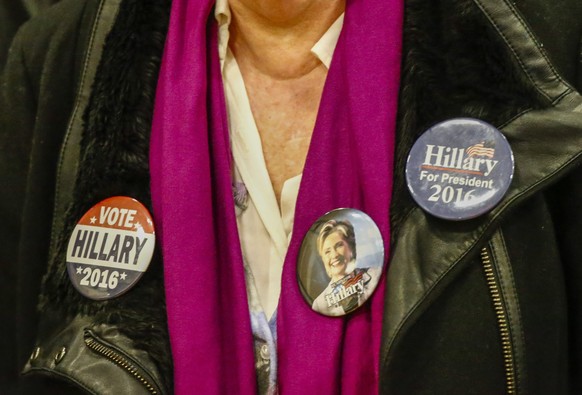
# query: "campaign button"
{"type": "Point", "coordinates": [340, 262]}
{"type": "Point", "coordinates": [110, 248]}
{"type": "Point", "coordinates": [459, 169]}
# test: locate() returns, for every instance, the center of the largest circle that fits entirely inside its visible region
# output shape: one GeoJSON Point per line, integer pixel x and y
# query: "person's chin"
{"type": "Point", "coordinates": [339, 273]}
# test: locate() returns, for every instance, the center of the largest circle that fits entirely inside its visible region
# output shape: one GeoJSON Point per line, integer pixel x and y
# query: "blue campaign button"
{"type": "Point", "coordinates": [459, 169]}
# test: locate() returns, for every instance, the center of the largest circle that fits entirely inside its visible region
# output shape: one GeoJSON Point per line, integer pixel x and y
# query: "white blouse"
{"type": "Point", "coordinates": [264, 230]}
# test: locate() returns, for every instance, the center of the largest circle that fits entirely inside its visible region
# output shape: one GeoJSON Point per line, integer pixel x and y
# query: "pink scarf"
{"type": "Point", "coordinates": [349, 164]}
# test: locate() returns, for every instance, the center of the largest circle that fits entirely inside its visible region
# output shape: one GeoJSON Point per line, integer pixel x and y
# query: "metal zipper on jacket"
{"type": "Point", "coordinates": [501, 315]}
{"type": "Point", "coordinates": [121, 361]}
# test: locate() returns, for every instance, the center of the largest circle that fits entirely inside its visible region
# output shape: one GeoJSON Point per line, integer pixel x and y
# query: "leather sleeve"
{"type": "Point", "coordinates": [17, 109]}
{"type": "Point", "coordinates": [558, 26]}
{"type": "Point", "coordinates": [37, 88]}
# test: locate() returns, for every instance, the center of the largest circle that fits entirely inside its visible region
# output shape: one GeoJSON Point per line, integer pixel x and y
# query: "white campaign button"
{"type": "Point", "coordinates": [110, 248]}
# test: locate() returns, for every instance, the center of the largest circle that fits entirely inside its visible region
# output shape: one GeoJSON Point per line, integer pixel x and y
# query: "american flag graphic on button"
{"type": "Point", "coordinates": [480, 150]}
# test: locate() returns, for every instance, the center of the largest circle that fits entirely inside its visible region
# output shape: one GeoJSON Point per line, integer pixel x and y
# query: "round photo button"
{"type": "Point", "coordinates": [459, 169]}
{"type": "Point", "coordinates": [110, 248]}
{"type": "Point", "coordinates": [340, 262]}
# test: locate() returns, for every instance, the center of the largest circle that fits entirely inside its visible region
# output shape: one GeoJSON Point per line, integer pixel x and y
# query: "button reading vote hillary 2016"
{"type": "Point", "coordinates": [459, 169]}
{"type": "Point", "coordinates": [110, 248]}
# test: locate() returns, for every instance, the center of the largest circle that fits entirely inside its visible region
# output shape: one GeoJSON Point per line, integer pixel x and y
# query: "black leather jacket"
{"type": "Point", "coordinates": [485, 306]}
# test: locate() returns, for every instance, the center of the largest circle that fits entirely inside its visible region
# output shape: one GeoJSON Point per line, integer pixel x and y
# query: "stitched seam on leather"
{"type": "Point", "coordinates": [539, 46]}
{"type": "Point", "coordinates": [513, 50]}
{"type": "Point", "coordinates": [504, 124]}
{"type": "Point", "coordinates": [536, 41]}
{"type": "Point", "coordinates": [90, 48]}
{"type": "Point", "coordinates": [561, 97]}
{"type": "Point", "coordinates": [527, 71]}
{"type": "Point", "coordinates": [556, 102]}
{"type": "Point", "coordinates": [513, 322]}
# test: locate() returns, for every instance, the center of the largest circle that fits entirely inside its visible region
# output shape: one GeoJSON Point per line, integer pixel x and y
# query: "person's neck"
{"type": "Point", "coordinates": [276, 36]}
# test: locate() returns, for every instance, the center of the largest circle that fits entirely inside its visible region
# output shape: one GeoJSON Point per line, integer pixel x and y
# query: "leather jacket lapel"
{"type": "Point", "coordinates": [428, 253]}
